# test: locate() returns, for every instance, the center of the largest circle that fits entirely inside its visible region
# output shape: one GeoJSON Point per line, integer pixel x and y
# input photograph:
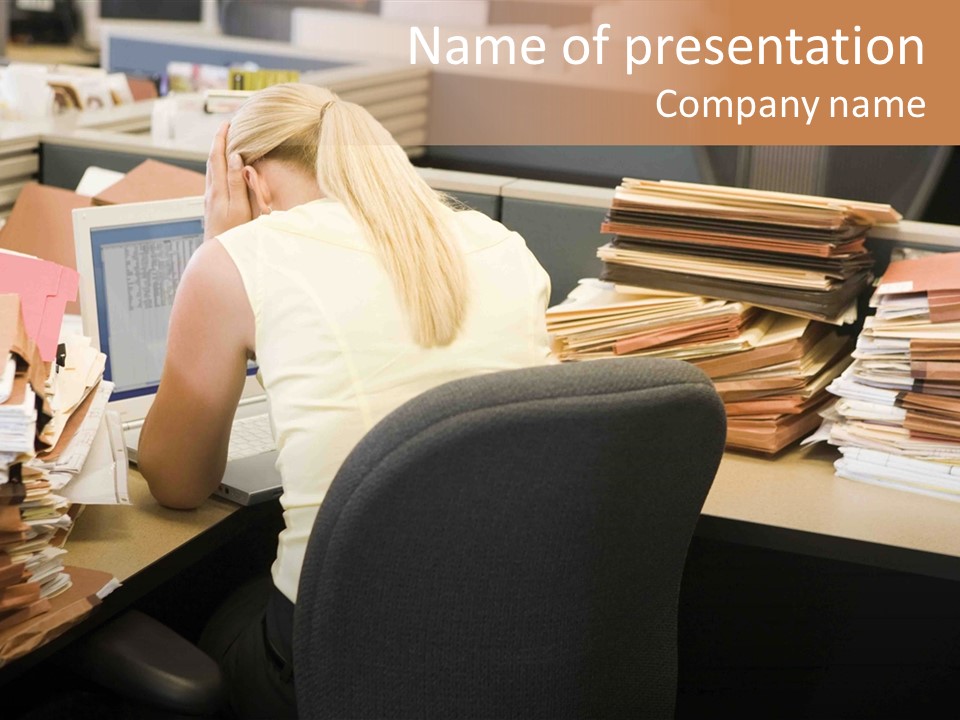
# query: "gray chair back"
{"type": "Point", "coordinates": [510, 546]}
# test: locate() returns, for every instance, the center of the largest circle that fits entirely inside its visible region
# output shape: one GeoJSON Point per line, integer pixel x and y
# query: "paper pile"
{"type": "Point", "coordinates": [31, 515]}
{"type": "Point", "coordinates": [796, 254]}
{"type": "Point", "coordinates": [52, 402]}
{"type": "Point", "coordinates": [82, 439]}
{"type": "Point", "coordinates": [897, 422]}
{"type": "Point", "coordinates": [771, 370]}
{"type": "Point", "coordinates": [30, 91]}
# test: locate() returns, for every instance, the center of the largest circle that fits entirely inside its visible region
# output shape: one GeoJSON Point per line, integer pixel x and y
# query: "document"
{"type": "Point", "coordinates": [103, 478]}
{"type": "Point", "coordinates": [897, 419]}
{"type": "Point", "coordinates": [771, 370]}
{"type": "Point", "coordinates": [799, 255]}
{"type": "Point", "coordinates": [45, 619]}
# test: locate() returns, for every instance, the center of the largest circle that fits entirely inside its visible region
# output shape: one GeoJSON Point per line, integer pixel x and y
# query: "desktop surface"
{"type": "Point", "coordinates": [791, 503]}
{"type": "Point", "coordinates": [126, 540]}
{"type": "Point", "coordinates": [797, 491]}
{"type": "Point", "coordinates": [795, 503]}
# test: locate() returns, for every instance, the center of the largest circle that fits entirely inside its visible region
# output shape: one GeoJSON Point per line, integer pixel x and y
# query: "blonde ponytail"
{"type": "Point", "coordinates": [359, 164]}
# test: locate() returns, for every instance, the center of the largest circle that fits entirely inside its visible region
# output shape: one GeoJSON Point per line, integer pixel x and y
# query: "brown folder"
{"type": "Point", "coordinates": [10, 520]}
{"type": "Point", "coordinates": [41, 224]}
{"type": "Point", "coordinates": [937, 404]}
{"type": "Point", "coordinates": [12, 574]}
{"type": "Point", "coordinates": [712, 329]}
{"type": "Point", "coordinates": [934, 349]}
{"type": "Point", "coordinates": [938, 371]}
{"type": "Point", "coordinates": [776, 405]}
{"type": "Point", "coordinates": [153, 180]}
{"type": "Point", "coordinates": [742, 362]}
{"type": "Point", "coordinates": [24, 614]}
{"type": "Point", "coordinates": [63, 612]}
{"type": "Point", "coordinates": [771, 436]}
{"type": "Point", "coordinates": [142, 88]}
{"type": "Point", "coordinates": [935, 426]}
{"type": "Point", "coordinates": [939, 273]}
{"type": "Point", "coordinates": [18, 596]}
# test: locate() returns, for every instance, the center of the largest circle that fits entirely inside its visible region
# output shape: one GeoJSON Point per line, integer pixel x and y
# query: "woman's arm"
{"type": "Point", "coordinates": [184, 440]}
{"type": "Point", "coordinates": [183, 444]}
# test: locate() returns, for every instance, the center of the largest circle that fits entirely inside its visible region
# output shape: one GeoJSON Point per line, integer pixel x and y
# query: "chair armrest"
{"type": "Point", "coordinates": [143, 660]}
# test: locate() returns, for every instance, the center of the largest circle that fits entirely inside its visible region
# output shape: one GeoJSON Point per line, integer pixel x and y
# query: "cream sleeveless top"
{"type": "Point", "coordinates": [334, 349]}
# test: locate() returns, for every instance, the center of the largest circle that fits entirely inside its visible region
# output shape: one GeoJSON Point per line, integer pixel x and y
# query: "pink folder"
{"type": "Point", "coordinates": [44, 288]}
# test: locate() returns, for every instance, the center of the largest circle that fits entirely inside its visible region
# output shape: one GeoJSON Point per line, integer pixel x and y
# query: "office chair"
{"type": "Point", "coordinates": [511, 546]}
{"type": "Point", "coordinates": [504, 546]}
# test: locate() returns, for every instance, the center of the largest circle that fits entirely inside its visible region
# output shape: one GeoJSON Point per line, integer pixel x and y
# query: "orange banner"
{"type": "Point", "coordinates": [696, 72]}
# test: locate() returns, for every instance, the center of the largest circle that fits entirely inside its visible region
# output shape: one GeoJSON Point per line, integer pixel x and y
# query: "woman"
{"type": "Point", "coordinates": [356, 287]}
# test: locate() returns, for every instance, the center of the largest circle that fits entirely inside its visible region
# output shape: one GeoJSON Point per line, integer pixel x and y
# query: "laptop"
{"type": "Point", "coordinates": [130, 258]}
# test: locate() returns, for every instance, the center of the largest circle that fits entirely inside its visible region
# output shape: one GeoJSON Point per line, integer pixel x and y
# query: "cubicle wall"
{"type": "Point", "coordinates": [64, 165]}
{"type": "Point", "coordinates": [19, 164]}
{"type": "Point", "coordinates": [472, 190]}
{"type": "Point", "coordinates": [602, 166]}
{"type": "Point", "coordinates": [561, 223]}
{"type": "Point", "coordinates": [139, 54]}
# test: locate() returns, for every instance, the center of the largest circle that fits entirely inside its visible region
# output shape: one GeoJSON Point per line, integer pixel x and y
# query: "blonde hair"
{"type": "Point", "coordinates": [358, 163]}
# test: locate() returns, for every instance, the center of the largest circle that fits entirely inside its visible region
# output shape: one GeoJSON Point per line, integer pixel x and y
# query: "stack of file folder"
{"type": "Point", "coordinates": [796, 254]}
{"type": "Point", "coordinates": [771, 370]}
{"type": "Point", "coordinates": [897, 420]}
{"type": "Point", "coordinates": [31, 514]}
{"type": "Point", "coordinates": [52, 401]}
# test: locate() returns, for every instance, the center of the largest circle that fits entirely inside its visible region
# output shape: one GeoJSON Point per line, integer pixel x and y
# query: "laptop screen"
{"type": "Point", "coordinates": [136, 270]}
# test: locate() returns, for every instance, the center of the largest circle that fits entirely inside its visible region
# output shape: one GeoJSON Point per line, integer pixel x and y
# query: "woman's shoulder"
{"type": "Point", "coordinates": [481, 232]}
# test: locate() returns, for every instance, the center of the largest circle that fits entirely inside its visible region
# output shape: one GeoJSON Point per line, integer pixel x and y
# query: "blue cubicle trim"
{"type": "Point", "coordinates": [150, 57]}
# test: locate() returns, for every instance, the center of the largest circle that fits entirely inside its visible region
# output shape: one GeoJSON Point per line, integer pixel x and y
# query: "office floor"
{"type": "Point", "coordinates": [762, 635]}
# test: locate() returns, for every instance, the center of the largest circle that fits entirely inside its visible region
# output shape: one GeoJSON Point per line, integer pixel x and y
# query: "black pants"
{"type": "Point", "coordinates": [259, 682]}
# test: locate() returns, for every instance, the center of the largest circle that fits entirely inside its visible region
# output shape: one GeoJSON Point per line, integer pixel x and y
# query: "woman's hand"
{"type": "Point", "coordinates": [226, 203]}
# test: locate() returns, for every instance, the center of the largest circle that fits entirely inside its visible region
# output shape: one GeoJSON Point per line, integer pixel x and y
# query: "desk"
{"type": "Point", "coordinates": [792, 503]}
{"type": "Point", "coordinates": [52, 54]}
{"type": "Point", "coordinates": [795, 504]}
{"type": "Point", "coordinates": [126, 541]}
{"type": "Point", "coordinates": [142, 546]}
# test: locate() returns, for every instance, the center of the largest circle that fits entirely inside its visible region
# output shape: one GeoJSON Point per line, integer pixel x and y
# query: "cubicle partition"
{"type": "Point", "coordinates": [561, 224]}
{"type": "Point", "coordinates": [119, 138]}
{"type": "Point", "coordinates": [482, 193]}
{"type": "Point", "coordinates": [19, 162]}
{"type": "Point", "coordinates": [63, 163]}
{"type": "Point", "coordinates": [147, 52]}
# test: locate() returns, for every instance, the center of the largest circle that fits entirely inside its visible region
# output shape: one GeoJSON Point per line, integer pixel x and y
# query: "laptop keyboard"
{"type": "Point", "coordinates": [250, 436]}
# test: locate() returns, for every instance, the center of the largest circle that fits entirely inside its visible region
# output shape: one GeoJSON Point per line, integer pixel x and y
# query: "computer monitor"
{"type": "Point", "coordinates": [136, 260]}
{"type": "Point", "coordinates": [188, 16]}
{"type": "Point", "coordinates": [177, 10]}
{"type": "Point", "coordinates": [130, 258]}
{"type": "Point", "coordinates": [181, 10]}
